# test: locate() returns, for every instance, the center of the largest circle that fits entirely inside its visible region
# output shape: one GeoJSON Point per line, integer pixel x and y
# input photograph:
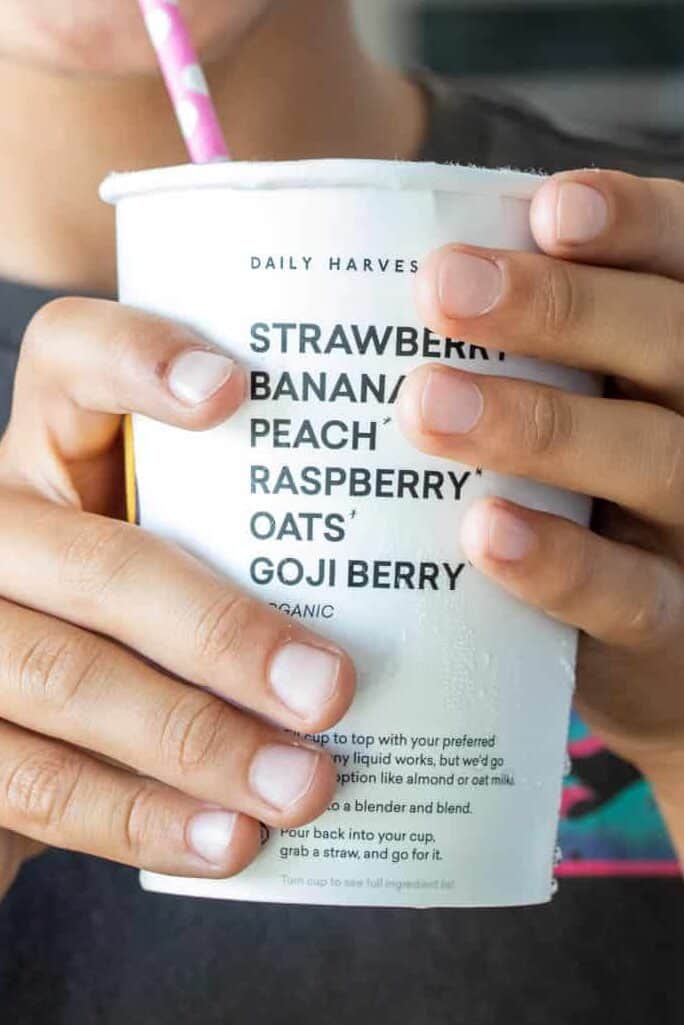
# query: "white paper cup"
{"type": "Point", "coordinates": [451, 760]}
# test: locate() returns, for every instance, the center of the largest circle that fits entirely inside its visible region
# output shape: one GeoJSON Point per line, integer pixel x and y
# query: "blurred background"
{"type": "Point", "coordinates": [616, 62]}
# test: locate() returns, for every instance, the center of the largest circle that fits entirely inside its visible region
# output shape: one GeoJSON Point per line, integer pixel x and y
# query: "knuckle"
{"type": "Point", "coordinates": [678, 324]}
{"type": "Point", "coordinates": [571, 582]}
{"type": "Point", "coordinates": [224, 627]}
{"type": "Point", "coordinates": [547, 427]}
{"type": "Point", "coordinates": [674, 334]}
{"type": "Point", "coordinates": [642, 626]}
{"type": "Point", "coordinates": [664, 199]}
{"type": "Point", "coordinates": [556, 301]}
{"type": "Point", "coordinates": [41, 786]}
{"type": "Point", "coordinates": [54, 670]}
{"type": "Point", "coordinates": [98, 554]}
{"type": "Point", "coordinates": [657, 610]}
{"type": "Point", "coordinates": [138, 821]}
{"type": "Point", "coordinates": [672, 473]}
{"type": "Point", "coordinates": [191, 732]}
{"type": "Point", "coordinates": [127, 343]}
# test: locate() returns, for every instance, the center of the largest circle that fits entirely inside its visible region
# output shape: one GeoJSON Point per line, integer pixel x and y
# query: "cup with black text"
{"type": "Point", "coordinates": [450, 762]}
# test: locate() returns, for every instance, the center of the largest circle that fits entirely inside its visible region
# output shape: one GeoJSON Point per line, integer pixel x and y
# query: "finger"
{"type": "Point", "coordinates": [74, 686]}
{"type": "Point", "coordinates": [630, 453]}
{"type": "Point", "coordinates": [618, 594]}
{"type": "Point", "coordinates": [607, 217]}
{"type": "Point", "coordinates": [198, 626]}
{"type": "Point", "coordinates": [597, 319]}
{"type": "Point", "coordinates": [85, 361]}
{"type": "Point", "coordinates": [65, 798]}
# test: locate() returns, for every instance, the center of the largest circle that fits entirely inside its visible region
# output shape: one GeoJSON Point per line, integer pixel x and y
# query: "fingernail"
{"type": "Point", "coordinates": [468, 286]}
{"type": "Point", "coordinates": [195, 376]}
{"type": "Point", "coordinates": [581, 213]}
{"type": "Point", "coordinates": [210, 834]}
{"type": "Point", "coordinates": [492, 532]}
{"type": "Point", "coordinates": [450, 404]}
{"type": "Point", "coordinates": [304, 678]}
{"type": "Point", "coordinates": [281, 775]}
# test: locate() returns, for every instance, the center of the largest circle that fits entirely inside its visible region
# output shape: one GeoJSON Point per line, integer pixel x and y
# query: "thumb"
{"type": "Point", "coordinates": [83, 364]}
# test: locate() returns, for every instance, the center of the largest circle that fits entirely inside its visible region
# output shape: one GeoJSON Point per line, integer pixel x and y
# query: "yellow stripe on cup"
{"type": "Point", "coordinates": [129, 466]}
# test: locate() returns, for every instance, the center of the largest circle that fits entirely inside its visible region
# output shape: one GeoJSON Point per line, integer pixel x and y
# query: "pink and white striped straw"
{"type": "Point", "coordinates": [185, 81]}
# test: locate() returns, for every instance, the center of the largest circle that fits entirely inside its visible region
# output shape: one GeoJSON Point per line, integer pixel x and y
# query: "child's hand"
{"type": "Point", "coordinates": [609, 297]}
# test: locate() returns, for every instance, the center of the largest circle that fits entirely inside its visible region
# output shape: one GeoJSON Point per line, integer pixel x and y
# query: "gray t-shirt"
{"type": "Point", "coordinates": [80, 944]}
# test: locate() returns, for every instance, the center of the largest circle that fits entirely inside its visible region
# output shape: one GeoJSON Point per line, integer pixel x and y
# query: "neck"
{"type": "Point", "coordinates": [298, 86]}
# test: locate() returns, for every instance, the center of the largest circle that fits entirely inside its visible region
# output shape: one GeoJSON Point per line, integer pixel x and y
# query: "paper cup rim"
{"type": "Point", "coordinates": [324, 174]}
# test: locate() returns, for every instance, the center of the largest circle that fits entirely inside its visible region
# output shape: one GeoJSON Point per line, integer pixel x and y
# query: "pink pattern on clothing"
{"type": "Point", "coordinates": [185, 81]}
{"type": "Point", "coordinates": [594, 867]}
{"type": "Point", "coordinates": [586, 747]}
{"type": "Point", "coordinates": [572, 795]}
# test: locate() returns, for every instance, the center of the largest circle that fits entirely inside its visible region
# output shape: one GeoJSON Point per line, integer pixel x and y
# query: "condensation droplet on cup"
{"type": "Point", "coordinates": [554, 887]}
{"type": "Point", "coordinates": [568, 667]}
{"type": "Point", "coordinates": [485, 659]}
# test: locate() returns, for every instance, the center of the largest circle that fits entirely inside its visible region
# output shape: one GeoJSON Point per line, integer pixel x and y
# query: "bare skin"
{"type": "Point", "coordinates": [80, 109]}
{"type": "Point", "coordinates": [78, 97]}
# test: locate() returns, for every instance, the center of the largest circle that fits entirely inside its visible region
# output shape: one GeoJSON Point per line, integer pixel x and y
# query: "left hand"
{"type": "Point", "coordinates": [607, 296]}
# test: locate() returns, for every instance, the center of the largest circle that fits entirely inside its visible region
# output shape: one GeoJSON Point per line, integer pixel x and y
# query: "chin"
{"type": "Point", "coordinates": [107, 37]}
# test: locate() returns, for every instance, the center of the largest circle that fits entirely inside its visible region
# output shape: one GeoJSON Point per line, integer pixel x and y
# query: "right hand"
{"type": "Point", "coordinates": [135, 683]}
